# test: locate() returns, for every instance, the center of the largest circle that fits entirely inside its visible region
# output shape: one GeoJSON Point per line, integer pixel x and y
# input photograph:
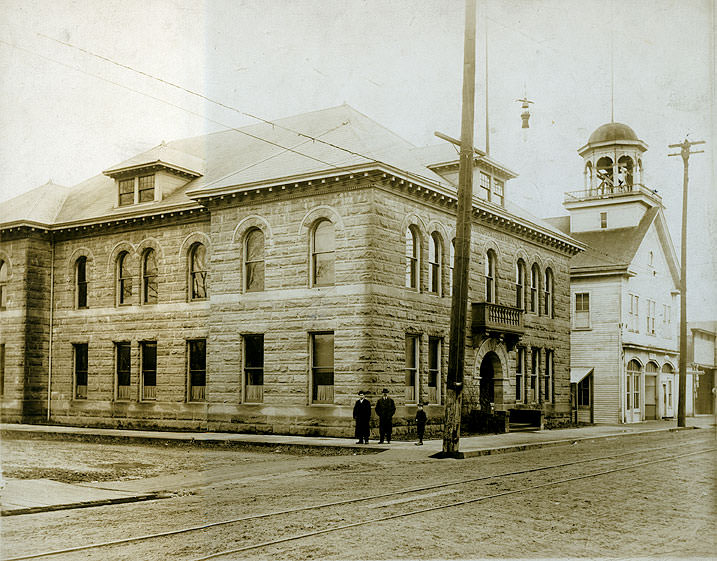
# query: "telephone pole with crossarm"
{"type": "Point", "coordinates": [685, 152]}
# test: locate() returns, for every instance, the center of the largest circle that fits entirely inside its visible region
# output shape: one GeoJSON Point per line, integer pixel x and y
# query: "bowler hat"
{"type": "Point", "coordinates": [384, 390]}
{"type": "Point", "coordinates": [361, 392]}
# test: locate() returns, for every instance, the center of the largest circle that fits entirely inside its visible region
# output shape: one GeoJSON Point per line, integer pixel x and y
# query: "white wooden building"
{"type": "Point", "coordinates": [624, 287]}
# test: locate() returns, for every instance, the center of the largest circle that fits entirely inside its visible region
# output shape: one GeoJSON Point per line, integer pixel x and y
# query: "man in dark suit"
{"type": "Point", "coordinates": [385, 408]}
{"type": "Point", "coordinates": [362, 415]}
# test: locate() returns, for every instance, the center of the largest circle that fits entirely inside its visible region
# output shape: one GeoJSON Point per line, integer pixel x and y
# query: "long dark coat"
{"type": "Point", "coordinates": [362, 414]}
{"type": "Point", "coordinates": [385, 408]}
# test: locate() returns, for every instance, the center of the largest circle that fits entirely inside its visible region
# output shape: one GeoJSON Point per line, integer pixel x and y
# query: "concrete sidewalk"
{"type": "Point", "coordinates": [30, 496]}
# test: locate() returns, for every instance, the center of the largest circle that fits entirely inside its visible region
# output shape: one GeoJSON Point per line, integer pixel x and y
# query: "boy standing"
{"type": "Point", "coordinates": [420, 423]}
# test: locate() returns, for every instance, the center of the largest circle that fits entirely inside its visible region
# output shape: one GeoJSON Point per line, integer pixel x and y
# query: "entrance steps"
{"type": "Point", "coordinates": [522, 427]}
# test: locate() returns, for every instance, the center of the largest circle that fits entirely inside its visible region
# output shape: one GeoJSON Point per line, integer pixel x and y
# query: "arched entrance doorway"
{"type": "Point", "coordinates": [489, 368]}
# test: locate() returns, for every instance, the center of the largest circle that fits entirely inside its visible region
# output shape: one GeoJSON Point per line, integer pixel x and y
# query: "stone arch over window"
{"type": "Point", "coordinates": [634, 365]}
{"type": "Point", "coordinates": [253, 260]}
{"type": "Point", "coordinates": [652, 367]}
{"type": "Point", "coordinates": [120, 247]}
{"type": "Point", "coordinates": [668, 368]}
{"type": "Point", "coordinates": [249, 223]}
{"type": "Point", "coordinates": [435, 262]}
{"type": "Point", "coordinates": [320, 212]}
{"type": "Point", "coordinates": [323, 253]}
{"type": "Point", "coordinates": [625, 169]}
{"type": "Point", "coordinates": [5, 277]}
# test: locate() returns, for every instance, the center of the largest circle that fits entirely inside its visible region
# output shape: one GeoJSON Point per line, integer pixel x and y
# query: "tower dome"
{"type": "Point", "coordinates": [612, 131]}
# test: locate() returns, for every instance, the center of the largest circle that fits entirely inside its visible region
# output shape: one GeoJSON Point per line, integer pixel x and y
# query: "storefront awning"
{"type": "Point", "coordinates": [577, 374]}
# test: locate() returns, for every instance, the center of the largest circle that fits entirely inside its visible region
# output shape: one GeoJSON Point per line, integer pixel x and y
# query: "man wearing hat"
{"type": "Point", "coordinates": [362, 415]}
{"type": "Point", "coordinates": [385, 408]}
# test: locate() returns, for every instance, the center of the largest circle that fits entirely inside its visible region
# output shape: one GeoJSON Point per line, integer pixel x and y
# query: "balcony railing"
{"type": "Point", "coordinates": [124, 392]}
{"type": "Point", "coordinates": [611, 191]}
{"type": "Point", "coordinates": [495, 318]}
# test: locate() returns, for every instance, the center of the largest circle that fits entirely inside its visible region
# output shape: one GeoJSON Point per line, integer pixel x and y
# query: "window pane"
{"type": "Point", "coordinates": [123, 364]}
{"type": "Point", "coordinates": [126, 192]}
{"type": "Point", "coordinates": [81, 364]}
{"type": "Point", "coordinates": [324, 269]}
{"type": "Point", "coordinates": [484, 188]}
{"type": "Point", "coordinates": [324, 237]}
{"type": "Point", "coordinates": [146, 188]}
{"type": "Point", "coordinates": [199, 255]}
{"type": "Point", "coordinates": [254, 351]}
{"type": "Point", "coordinates": [324, 350]}
{"type": "Point", "coordinates": [255, 246]}
{"type": "Point", "coordinates": [255, 276]}
{"type": "Point", "coordinates": [149, 364]}
{"type": "Point", "coordinates": [410, 352]}
{"type": "Point", "coordinates": [197, 355]}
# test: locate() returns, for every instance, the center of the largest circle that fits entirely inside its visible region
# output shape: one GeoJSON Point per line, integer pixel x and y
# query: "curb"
{"type": "Point", "coordinates": [83, 504]}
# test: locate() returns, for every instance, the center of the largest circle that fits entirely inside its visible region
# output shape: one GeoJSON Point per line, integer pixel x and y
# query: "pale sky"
{"type": "Point", "coordinates": [65, 115]}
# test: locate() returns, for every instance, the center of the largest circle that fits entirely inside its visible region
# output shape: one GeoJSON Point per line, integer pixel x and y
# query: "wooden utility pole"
{"type": "Point", "coordinates": [459, 302]}
{"type": "Point", "coordinates": [685, 153]}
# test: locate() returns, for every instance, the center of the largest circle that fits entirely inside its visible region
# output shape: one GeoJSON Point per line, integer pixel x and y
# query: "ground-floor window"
{"type": "Point", "coordinates": [534, 372]}
{"type": "Point", "coordinates": [584, 392]}
{"type": "Point", "coordinates": [322, 367]}
{"type": "Point", "coordinates": [632, 385]}
{"type": "Point", "coordinates": [197, 361]}
{"type": "Point", "coordinates": [148, 358]}
{"type": "Point", "coordinates": [548, 390]}
{"type": "Point", "coordinates": [80, 352]}
{"type": "Point", "coordinates": [254, 368]}
{"type": "Point", "coordinates": [434, 369]}
{"type": "Point", "coordinates": [411, 377]}
{"type": "Point", "coordinates": [519, 373]}
{"type": "Point", "coordinates": [123, 363]}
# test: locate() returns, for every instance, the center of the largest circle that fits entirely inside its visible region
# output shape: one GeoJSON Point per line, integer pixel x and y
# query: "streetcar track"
{"type": "Point", "coordinates": [375, 497]}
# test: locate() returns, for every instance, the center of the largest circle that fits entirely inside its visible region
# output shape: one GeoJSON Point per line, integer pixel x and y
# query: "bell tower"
{"type": "Point", "coordinates": [613, 195]}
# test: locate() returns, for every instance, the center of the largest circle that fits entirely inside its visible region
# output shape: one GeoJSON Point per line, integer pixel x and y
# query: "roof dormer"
{"type": "Point", "coordinates": [152, 175]}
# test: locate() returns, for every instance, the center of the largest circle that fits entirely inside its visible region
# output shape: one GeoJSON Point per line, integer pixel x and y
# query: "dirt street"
{"type": "Point", "coordinates": [664, 509]}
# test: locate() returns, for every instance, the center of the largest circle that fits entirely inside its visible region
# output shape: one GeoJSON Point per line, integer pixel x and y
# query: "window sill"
{"type": "Point", "coordinates": [582, 328]}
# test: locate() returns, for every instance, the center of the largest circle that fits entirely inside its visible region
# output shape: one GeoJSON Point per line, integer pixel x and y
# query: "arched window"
{"type": "Point", "coordinates": [632, 387]}
{"type": "Point", "coordinates": [451, 264]}
{"type": "Point", "coordinates": [149, 277]}
{"type": "Point", "coordinates": [412, 258]}
{"type": "Point", "coordinates": [323, 254]}
{"type": "Point", "coordinates": [81, 282]}
{"type": "Point", "coordinates": [3, 284]}
{"type": "Point", "coordinates": [604, 173]}
{"type": "Point", "coordinates": [548, 296]}
{"type": "Point", "coordinates": [434, 264]}
{"type": "Point", "coordinates": [534, 285]}
{"type": "Point", "coordinates": [624, 171]}
{"type": "Point", "coordinates": [490, 280]}
{"type": "Point", "coordinates": [254, 261]}
{"type": "Point", "coordinates": [124, 279]}
{"type": "Point", "coordinates": [197, 272]}
{"type": "Point", "coordinates": [520, 284]}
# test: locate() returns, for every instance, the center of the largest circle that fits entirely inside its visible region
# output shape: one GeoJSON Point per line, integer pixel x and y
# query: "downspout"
{"type": "Point", "coordinates": [621, 356]}
{"type": "Point", "coordinates": [52, 308]}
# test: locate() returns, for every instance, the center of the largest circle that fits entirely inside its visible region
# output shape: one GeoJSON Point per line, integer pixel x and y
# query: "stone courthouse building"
{"type": "Point", "coordinates": [255, 279]}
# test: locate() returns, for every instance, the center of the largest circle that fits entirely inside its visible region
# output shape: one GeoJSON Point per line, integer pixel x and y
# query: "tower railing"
{"type": "Point", "coordinates": [611, 191]}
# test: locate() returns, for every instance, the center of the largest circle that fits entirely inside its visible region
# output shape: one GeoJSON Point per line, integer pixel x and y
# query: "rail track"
{"type": "Point", "coordinates": [395, 509]}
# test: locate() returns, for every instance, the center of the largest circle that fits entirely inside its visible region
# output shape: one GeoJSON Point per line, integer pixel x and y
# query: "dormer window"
{"type": "Point", "coordinates": [136, 190]}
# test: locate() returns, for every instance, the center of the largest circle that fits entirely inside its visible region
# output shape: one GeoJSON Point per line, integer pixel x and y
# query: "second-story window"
{"type": "Point", "coordinates": [633, 317]}
{"type": "Point", "coordinates": [490, 280]}
{"type": "Point", "coordinates": [651, 317]}
{"type": "Point", "coordinates": [434, 264]}
{"type": "Point", "coordinates": [197, 272]}
{"type": "Point", "coordinates": [323, 253]}
{"type": "Point", "coordinates": [548, 296]}
{"type": "Point", "coordinates": [124, 279]}
{"type": "Point", "coordinates": [534, 283]}
{"type": "Point", "coordinates": [3, 284]}
{"type": "Point", "coordinates": [520, 284]}
{"type": "Point", "coordinates": [149, 277]}
{"type": "Point", "coordinates": [582, 310]}
{"type": "Point", "coordinates": [451, 264]}
{"type": "Point", "coordinates": [254, 261]}
{"type": "Point", "coordinates": [135, 190]}
{"type": "Point", "coordinates": [81, 282]}
{"type": "Point", "coordinates": [412, 258]}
